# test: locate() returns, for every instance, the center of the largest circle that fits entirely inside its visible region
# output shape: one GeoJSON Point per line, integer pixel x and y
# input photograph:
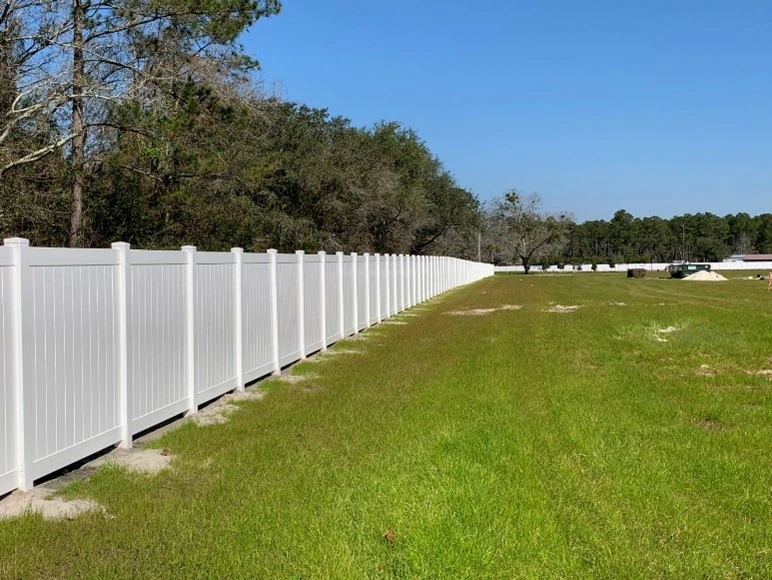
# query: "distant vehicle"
{"type": "Point", "coordinates": [684, 269]}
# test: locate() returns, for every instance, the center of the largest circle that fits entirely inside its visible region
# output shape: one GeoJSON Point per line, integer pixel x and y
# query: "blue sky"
{"type": "Point", "coordinates": [656, 107]}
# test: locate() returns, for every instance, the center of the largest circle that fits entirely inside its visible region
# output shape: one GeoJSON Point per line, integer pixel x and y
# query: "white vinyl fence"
{"type": "Point", "coordinates": [97, 345]}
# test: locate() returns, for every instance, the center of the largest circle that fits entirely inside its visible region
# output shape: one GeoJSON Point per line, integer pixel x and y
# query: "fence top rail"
{"type": "Point", "coordinates": [213, 258]}
{"type": "Point", "coordinates": [72, 257]}
{"type": "Point", "coordinates": [286, 258]}
{"type": "Point", "coordinates": [6, 256]}
{"type": "Point", "coordinates": [156, 257]}
{"type": "Point", "coordinates": [253, 258]}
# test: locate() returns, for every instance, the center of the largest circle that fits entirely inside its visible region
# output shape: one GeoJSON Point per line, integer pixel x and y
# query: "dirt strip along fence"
{"type": "Point", "coordinates": [97, 345]}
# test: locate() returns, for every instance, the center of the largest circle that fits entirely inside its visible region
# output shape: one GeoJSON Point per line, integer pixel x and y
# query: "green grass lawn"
{"type": "Point", "coordinates": [521, 443]}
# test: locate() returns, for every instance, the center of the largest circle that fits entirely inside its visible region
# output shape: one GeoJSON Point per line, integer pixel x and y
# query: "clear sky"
{"type": "Point", "coordinates": [658, 107]}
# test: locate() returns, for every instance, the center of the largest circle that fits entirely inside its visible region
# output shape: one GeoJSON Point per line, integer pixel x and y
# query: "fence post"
{"type": "Point", "coordinates": [124, 272]}
{"type": "Point", "coordinates": [341, 318]}
{"type": "Point", "coordinates": [24, 415]}
{"type": "Point", "coordinates": [274, 311]}
{"type": "Point", "coordinates": [190, 326]}
{"type": "Point", "coordinates": [323, 296]}
{"type": "Point", "coordinates": [238, 314]}
{"type": "Point", "coordinates": [355, 288]}
{"type": "Point", "coordinates": [378, 287]}
{"type": "Point", "coordinates": [301, 304]}
{"type": "Point", "coordinates": [367, 290]}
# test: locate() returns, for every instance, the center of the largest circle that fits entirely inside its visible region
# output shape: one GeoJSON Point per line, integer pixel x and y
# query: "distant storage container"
{"type": "Point", "coordinates": [684, 270]}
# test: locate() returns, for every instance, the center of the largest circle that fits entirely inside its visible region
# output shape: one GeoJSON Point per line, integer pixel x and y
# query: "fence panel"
{"type": "Point", "coordinates": [256, 316]}
{"type": "Point", "coordinates": [362, 296]}
{"type": "Point", "coordinates": [71, 355]}
{"type": "Point", "coordinates": [289, 321]}
{"type": "Point", "coordinates": [156, 337]}
{"type": "Point", "coordinates": [349, 324]}
{"type": "Point", "coordinates": [8, 476]}
{"type": "Point", "coordinates": [385, 287]}
{"type": "Point", "coordinates": [333, 304]}
{"type": "Point", "coordinates": [312, 303]}
{"type": "Point", "coordinates": [214, 300]}
{"type": "Point", "coordinates": [374, 285]}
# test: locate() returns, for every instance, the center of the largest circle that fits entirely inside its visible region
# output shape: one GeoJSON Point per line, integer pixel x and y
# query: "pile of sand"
{"type": "Point", "coordinates": [705, 276]}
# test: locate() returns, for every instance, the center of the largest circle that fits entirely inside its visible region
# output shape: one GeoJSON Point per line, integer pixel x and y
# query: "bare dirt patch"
{"type": "Point", "coordinates": [706, 371]}
{"type": "Point", "coordinates": [141, 460]}
{"type": "Point", "coordinates": [668, 330]}
{"type": "Point", "coordinates": [216, 414]}
{"type": "Point", "coordinates": [39, 500]}
{"type": "Point", "coordinates": [560, 309]}
{"type": "Point", "coordinates": [484, 311]}
{"type": "Point", "coordinates": [245, 396]}
{"type": "Point", "coordinates": [760, 373]}
{"type": "Point", "coordinates": [710, 424]}
{"type": "Point", "coordinates": [617, 304]}
{"type": "Point", "coordinates": [295, 379]}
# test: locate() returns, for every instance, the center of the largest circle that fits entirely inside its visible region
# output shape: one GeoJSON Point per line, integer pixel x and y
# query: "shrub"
{"type": "Point", "coordinates": [636, 273]}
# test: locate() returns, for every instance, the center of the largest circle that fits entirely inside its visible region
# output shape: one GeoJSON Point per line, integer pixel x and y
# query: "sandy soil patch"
{"type": "Point", "coordinates": [560, 309]}
{"type": "Point", "coordinates": [327, 354]}
{"type": "Point", "coordinates": [706, 371]}
{"type": "Point", "coordinates": [37, 500]}
{"type": "Point", "coordinates": [245, 396]}
{"type": "Point", "coordinates": [484, 311]}
{"type": "Point", "coordinates": [709, 424]}
{"type": "Point", "coordinates": [760, 373]}
{"type": "Point", "coordinates": [668, 330]}
{"type": "Point", "coordinates": [141, 460]}
{"type": "Point", "coordinates": [295, 379]}
{"type": "Point", "coordinates": [216, 414]}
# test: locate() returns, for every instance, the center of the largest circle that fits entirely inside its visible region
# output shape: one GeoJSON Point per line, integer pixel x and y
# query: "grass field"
{"type": "Point", "coordinates": [519, 443]}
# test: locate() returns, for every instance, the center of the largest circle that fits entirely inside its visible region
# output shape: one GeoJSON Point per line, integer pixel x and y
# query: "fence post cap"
{"type": "Point", "coordinates": [120, 245]}
{"type": "Point", "coordinates": [272, 251]}
{"type": "Point", "coordinates": [322, 253]}
{"type": "Point", "coordinates": [188, 248]}
{"type": "Point", "coordinates": [366, 254]}
{"type": "Point", "coordinates": [16, 242]}
{"type": "Point", "coordinates": [338, 253]}
{"type": "Point", "coordinates": [237, 250]}
{"type": "Point", "coordinates": [354, 254]}
{"type": "Point", "coordinates": [299, 252]}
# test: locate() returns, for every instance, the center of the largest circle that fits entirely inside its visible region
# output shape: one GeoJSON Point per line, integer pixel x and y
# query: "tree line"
{"type": "Point", "coordinates": [139, 120]}
{"type": "Point", "coordinates": [518, 232]}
